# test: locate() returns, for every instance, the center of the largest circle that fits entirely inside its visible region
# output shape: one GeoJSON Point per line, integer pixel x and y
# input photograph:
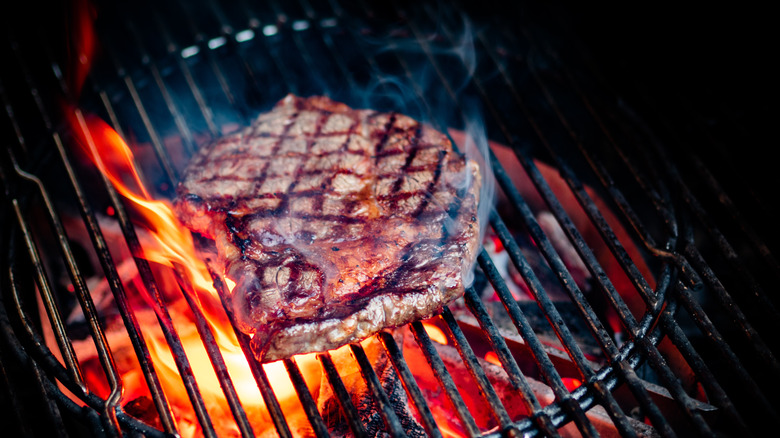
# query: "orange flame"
{"type": "Point", "coordinates": [172, 246]}
{"type": "Point", "coordinates": [434, 332]}
{"type": "Point", "coordinates": [83, 44]}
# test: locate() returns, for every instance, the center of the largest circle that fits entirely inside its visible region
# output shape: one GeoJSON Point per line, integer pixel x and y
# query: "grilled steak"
{"type": "Point", "coordinates": [334, 223]}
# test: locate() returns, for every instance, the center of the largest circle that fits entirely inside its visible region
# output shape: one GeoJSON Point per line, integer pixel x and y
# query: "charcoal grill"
{"type": "Point", "coordinates": [688, 350]}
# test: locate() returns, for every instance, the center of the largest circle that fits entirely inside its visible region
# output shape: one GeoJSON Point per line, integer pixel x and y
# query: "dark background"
{"type": "Point", "coordinates": [703, 66]}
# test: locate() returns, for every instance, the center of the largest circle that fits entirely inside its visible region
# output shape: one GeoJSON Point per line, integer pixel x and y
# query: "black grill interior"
{"type": "Point", "coordinates": [662, 112]}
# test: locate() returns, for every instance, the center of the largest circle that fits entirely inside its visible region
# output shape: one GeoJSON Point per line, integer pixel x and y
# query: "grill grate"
{"type": "Point", "coordinates": [174, 70]}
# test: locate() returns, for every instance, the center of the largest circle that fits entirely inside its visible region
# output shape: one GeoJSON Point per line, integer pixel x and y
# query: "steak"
{"type": "Point", "coordinates": [334, 223]}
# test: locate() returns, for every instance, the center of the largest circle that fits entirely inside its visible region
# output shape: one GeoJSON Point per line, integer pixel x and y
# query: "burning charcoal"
{"type": "Point", "coordinates": [514, 281]}
{"type": "Point", "coordinates": [361, 396]}
{"type": "Point", "coordinates": [564, 248]}
{"type": "Point", "coordinates": [506, 391]}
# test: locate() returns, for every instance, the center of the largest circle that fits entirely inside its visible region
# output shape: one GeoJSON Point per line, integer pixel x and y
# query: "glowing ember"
{"type": "Point", "coordinates": [492, 358]}
{"type": "Point", "coordinates": [571, 383]}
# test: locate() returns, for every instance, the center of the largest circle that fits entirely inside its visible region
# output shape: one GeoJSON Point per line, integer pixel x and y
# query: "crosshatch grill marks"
{"type": "Point", "coordinates": [255, 155]}
{"type": "Point", "coordinates": [357, 199]}
{"type": "Point", "coordinates": [403, 174]}
{"type": "Point", "coordinates": [326, 186]}
{"type": "Point", "coordinates": [237, 225]}
{"type": "Point", "coordinates": [385, 133]}
{"type": "Point", "coordinates": [432, 186]}
{"type": "Point", "coordinates": [310, 140]}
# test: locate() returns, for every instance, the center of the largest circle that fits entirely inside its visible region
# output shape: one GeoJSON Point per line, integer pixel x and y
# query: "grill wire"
{"type": "Point", "coordinates": [180, 70]}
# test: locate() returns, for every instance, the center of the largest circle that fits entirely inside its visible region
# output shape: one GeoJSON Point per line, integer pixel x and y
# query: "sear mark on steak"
{"type": "Point", "coordinates": [334, 223]}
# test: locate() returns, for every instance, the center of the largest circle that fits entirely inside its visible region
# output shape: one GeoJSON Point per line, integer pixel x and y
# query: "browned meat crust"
{"type": "Point", "coordinates": [334, 223]}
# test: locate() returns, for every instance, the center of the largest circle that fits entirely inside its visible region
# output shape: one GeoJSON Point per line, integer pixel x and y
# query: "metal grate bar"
{"type": "Point", "coordinates": [548, 370]}
{"type": "Point", "coordinates": [228, 28]}
{"type": "Point", "coordinates": [700, 316]}
{"type": "Point", "coordinates": [162, 155]}
{"type": "Point", "coordinates": [215, 355]}
{"type": "Point", "coordinates": [178, 118]}
{"type": "Point", "coordinates": [120, 297]}
{"type": "Point", "coordinates": [307, 401]}
{"type": "Point", "coordinates": [303, 50]}
{"type": "Point", "coordinates": [163, 316]}
{"type": "Point", "coordinates": [218, 73]}
{"type": "Point", "coordinates": [271, 402]}
{"type": "Point", "coordinates": [508, 362]}
{"type": "Point", "coordinates": [342, 395]}
{"type": "Point", "coordinates": [391, 420]}
{"type": "Point", "coordinates": [410, 385]}
{"type": "Point", "coordinates": [60, 371]}
{"type": "Point", "coordinates": [444, 378]}
{"type": "Point", "coordinates": [87, 306]}
{"type": "Point", "coordinates": [329, 43]}
{"type": "Point", "coordinates": [115, 283]}
{"type": "Point", "coordinates": [14, 124]}
{"type": "Point", "coordinates": [707, 378]}
{"type": "Point", "coordinates": [713, 335]}
{"type": "Point", "coordinates": [281, 67]}
{"type": "Point", "coordinates": [173, 51]}
{"type": "Point", "coordinates": [475, 369]}
{"type": "Point", "coordinates": [55, 319]}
